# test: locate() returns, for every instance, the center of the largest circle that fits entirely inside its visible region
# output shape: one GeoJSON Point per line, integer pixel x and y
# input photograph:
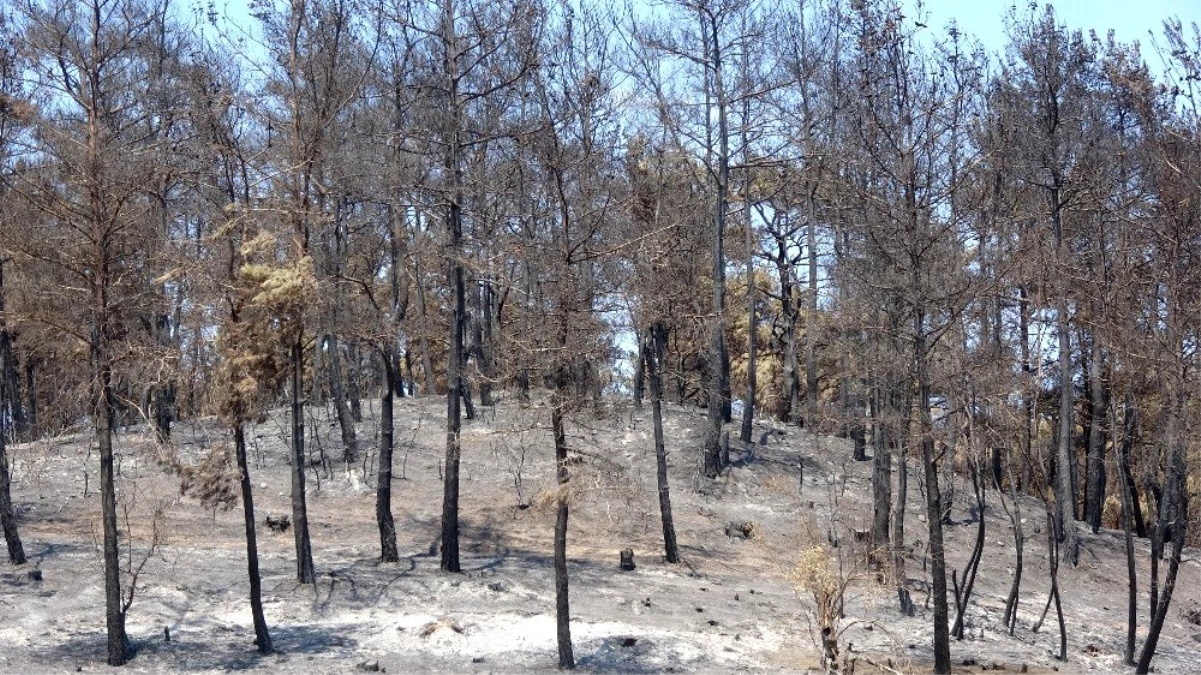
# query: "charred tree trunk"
{"type": "Point", "coordinates": [454, 391]}
{"type": "Point", "coordinates": [898, 531]}
{"type": "Point", "coordinates": [383, 485]}
{"type": "Point", "coordinates": [788, 312]}
{"type": "Point", "coordinates": [483, 342]}
{"type": "Point", "coordinates": [427, 364]}
{"type": "Point", "coordinates": [1010, 618]}
{"type": "Point", "coordinates": [10, 381]}
{"type": "Point", "coordinates": [1127, 523]}
{"type": "Point", "coordinates": [162, 393]}
{"type": "Point", "coordinates": [963, 594]}
{"type": "Point", "coordinates": [719, 357]}
{"type": "Point", "coordinates": [337, 386]}
{"type": "Point", "coordinates": [938, 565]}
{"type": "Point", "coordinates": [881, 471]}
{"type": "Point", "coordinates": [455, 357]}
{"type": "Point", "coordinates": [810, 339]}
{"type": "Point", "coordinates": [1173, 516]}
{"type": "Point", "coordinates": [562, 604]}
{"type": "Point", "coordinates": [262, 637]}
{"type": "Point", "coordinates": [752, 333]}
{"type": "Point", "coordinates": [640, 375]}
{"type": "Point", "coordinates": [1065, 489]}
{"type": "Point", "coordinates": [1095, 475]}
{"type": "Point", "coordinates": [748, 409]}
{"type": "Point", "coordinates": [31, 394]}
{"type": "Point", "coordinates": [300, 513]}
{"type": "Point", "coordinates": [8, 518]}
{"type": "Point", "coordinates": [1053, 539]}
{"type": "Point", "coordinates": [654, 347]}
{"type": "Point", "coordinates": [354, 389]}
{"type": "Point", "coordinates": [103, 420]}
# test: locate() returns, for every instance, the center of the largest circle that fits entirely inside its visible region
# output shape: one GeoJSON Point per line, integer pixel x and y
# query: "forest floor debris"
{"type": "Point", "coordinates": [732, 605]}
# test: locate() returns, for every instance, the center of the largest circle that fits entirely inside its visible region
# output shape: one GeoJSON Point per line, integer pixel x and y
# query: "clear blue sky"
{"type": "Point", "coordinates": [1130, 19]}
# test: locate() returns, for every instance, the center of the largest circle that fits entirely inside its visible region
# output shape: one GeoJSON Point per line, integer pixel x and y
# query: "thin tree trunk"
{"type": "Point", "coordinates": [1019, 544]}
{"type": "Point", "coordinates": [752, 374]}
{"type": "Point", "coordinates": [1157, 535]}
{"type": "Point", "coordinates": [640, 374]}
{"type": "Point", "coordinates": [792, 386]}
{"type": "Point", "coordinates": [562, 604]}
{"type": "Point", "coordinates": [963, 595]}
{"type": "Point", "coordinates": [1173, 513]}
{"type": "Point", "coordinates": [454, 419]}
{"type": "Point", "coordinates": [31, 394]}
{"type": "Point", "coordinates": [484, 353]}
{"type": "Point", "coordinates": [898, 530]}
{"type": "Point", "coordinates": [383, 486]}
{"type": "Point", "coordinates": [719, 384]}
{"type": "Point", "coordinates": [115, 610]}
{"type": "Point", "coordinates": [748, 409]}
{"type": "Point", "coordinates": [1095, 476]}
{"type": "Point", "coordinates": [938, 566]}
{"type": "Point", "coordinates": [262, 637]}
{"type": "Point", "coordinates": [8, 519]}
{"type": "Point", "coordinates": [354, 390]}
{"type": "Point", "coordinates": [455, 358]}
{"type": "Point", "coordinates": [1053, 552]}
{"type": "Point", "coordinates": [427, 364]}
{"type": "Point", "coordinates": [300, 514]}
{"type": "Point", "coordinates": [1065, 489]}
{"type": "Point", "coordinates": [1065, 494]}
{"type": "Point", "coordinates": [810, 338]}
{"type": "Point", "coordinates": [881, 471]}
{"type": "Point", "coordinates": [337, 385]}
{"type": "Point", "coordinates": [1131, 570]}
{"type": "Point", "coordinates": [654, 347]}
{"type": "Point", "coordinates": [8, 394]}
{"type": "Point", "coordinates": [10, 381]}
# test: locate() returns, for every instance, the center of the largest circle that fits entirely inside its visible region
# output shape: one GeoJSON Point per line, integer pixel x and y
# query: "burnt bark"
{"type": "Point", "coordinates": [791, 396]}
{"type": "Point", "coordinates": [455, 358]}
{"type": "Point", "coordinates": [1173, 516]}
{"type": "Point", "coordinates": [1127, 523]}
{"type": "Point", "coordinates": [656, 339]}
{"type": "Point", "coordinates": [31, 396]}
{"type": "Point", "coordinates": [337, 387]}
{"type": "Point", "coordinates": [881, 470]}
{"type": "Point", "coordinates": [300, 514]}
{"type": "Point", "coordinates": [640, 374]}
{"type": "Point", "coordinates": [10, 380]}
{"type": "Point", "coordinates": [8, 518]}
{"type": "Point", "coordinates": [963, 594]}
{"type": "Point", "coordinates": [562, 603]}
{"type": "Point", "coordinates": [1065, 488]}
{"type": "Point", "coordinates": [262, 636]}
{"type": "Point", "coordinates": [427, 364]}
{"type": "Point", "coordinates": [810, 338]}
{"type": "Point", "coordinates": [1095, 474]}
{"type": "Point", "coordinates": [103, 421]}
{"type": "Point", "coordinates": [898, 532]}
{"type": "Point", "coordinates": [1009, 618]}
{"type": "Point", "coordinates": [383, 485]}
{"type": "Point", "coordinates": [938, 565]}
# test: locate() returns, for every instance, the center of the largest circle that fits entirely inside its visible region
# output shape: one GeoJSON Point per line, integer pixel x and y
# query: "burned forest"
{"type": "Point", "coordinates": [518, 335]}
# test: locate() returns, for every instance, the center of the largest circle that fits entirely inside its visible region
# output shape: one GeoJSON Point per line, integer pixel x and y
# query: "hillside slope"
{"type": "Point", "coordinates": [730, 606]}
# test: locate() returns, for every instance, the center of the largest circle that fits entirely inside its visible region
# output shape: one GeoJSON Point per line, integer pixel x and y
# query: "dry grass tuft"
{"type": "Point", "coordinates": [434, 626]}
{"type": "Point", "coordinates": [550, 498]}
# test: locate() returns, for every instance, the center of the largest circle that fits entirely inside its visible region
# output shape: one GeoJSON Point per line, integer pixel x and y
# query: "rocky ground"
{"type": "Point", "coordinates": [732, 605]}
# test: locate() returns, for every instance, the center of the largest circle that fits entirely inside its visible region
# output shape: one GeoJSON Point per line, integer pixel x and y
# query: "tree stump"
{"type": "Point", "coordinates": [627, 560]}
